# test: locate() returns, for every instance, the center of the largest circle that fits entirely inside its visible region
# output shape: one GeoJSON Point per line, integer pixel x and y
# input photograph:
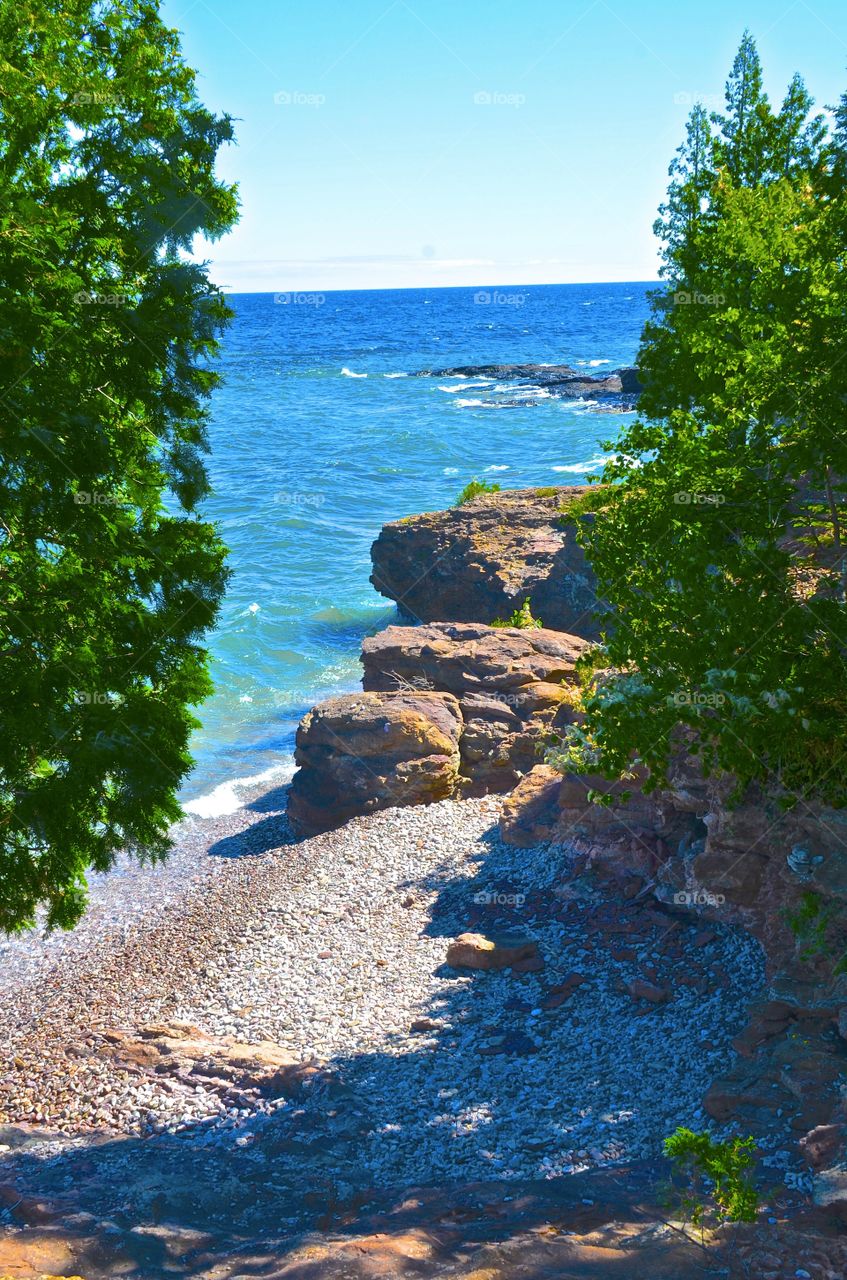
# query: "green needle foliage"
{"type": "Point", "coordinates": [718, 538]}
{"type": "Point", "coordinates": [715, 1175]}
{"type": "Point", "coordinates": [108, 578]}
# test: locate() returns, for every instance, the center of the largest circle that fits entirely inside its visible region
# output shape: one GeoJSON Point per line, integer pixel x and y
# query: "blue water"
{"type": "Point", "coordinates": [309, 461]}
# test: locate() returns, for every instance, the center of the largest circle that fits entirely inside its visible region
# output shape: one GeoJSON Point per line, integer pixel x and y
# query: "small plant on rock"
{"type": "Point", "coordinates": [473, 489]}
{"type": "Point", "coordinates": [716, 1185]}
{"type": "Point", "coordinates": [818, 931]}
{"type": "Point", "coordinates": [521, 618]}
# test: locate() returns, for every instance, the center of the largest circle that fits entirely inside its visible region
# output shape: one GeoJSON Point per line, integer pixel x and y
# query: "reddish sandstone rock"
{"type": "Point", "coordinates": [640, 990]}
{"type": "Point", "coordinates": [177, 1048]}
{"type": "Point", "coordinates": [368, 751]}
{"type": "Point", "coordinates": [510, 683]}
{"type": "Point", "coordinates": [562, 991]}
{"type": "Point", "coordinates": [821, 1145]}
{"type": "Point", "coordinates": [481, 561]}
{"type": "Point", "coordinates": [530, 812]}
{"type": "Point", "coordinates": [474, 951]}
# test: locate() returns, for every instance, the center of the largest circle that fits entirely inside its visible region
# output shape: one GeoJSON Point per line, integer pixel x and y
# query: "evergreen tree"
{"type": "Point", "coordinates": [718, 537]}
{"type": "Point", "coordinates": [108, 577]}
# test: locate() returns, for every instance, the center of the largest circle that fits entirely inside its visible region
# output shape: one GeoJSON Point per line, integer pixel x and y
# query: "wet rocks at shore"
{"type": "Point", "coordinates": [618, 388]}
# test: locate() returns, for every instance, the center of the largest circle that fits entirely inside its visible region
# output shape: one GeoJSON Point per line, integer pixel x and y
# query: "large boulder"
{"type": "Point", "coordinates": [511, 685]}
{"type": "Point", "coordinates": [367, 751]}
{"type": "Point", "coordinates": [481, 561]}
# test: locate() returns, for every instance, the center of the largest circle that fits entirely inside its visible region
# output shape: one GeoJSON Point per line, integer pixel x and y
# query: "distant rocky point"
{"type": "Point", "coordinates": [619, 388]}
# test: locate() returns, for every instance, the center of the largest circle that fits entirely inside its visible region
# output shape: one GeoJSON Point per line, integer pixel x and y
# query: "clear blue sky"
{"type": "Point", "coordinates": [387, 143]}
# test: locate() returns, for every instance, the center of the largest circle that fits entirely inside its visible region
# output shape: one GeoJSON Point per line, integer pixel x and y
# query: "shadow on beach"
{"type": "Point", "coordinates": [327, 1167]}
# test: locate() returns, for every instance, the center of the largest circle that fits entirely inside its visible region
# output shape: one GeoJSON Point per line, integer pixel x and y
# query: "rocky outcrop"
{"type": "Point", "coordinates": [448, 709]}
{"type": "Point", "coordinates": [619, 387]}
{"type": "Point", "coordinates": [368, 751]}
{"type": "Point", "coordinates": [510, 684]}
{"type": "Point", "coordinates": [481, 561]}
{"type": "Point", "coordinates": [531, 811]}
{"type": "Point", "coordinates": [692, 844]}
{"type": "Point", "coordinates": [752, 863]}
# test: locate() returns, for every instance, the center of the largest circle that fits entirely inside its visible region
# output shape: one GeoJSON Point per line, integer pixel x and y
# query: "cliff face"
{"type": "Point", "coordinates": [481, 561]}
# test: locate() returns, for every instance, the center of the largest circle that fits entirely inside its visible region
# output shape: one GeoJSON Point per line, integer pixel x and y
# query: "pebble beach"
{"type": "Point", "coordinates": [334, 949]}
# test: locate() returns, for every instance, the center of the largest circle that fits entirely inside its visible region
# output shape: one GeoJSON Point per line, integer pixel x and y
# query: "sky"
{"type": "Point", "coordinates": [417, 143]}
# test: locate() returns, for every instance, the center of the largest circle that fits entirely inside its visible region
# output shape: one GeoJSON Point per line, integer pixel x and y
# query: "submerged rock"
{"type": "Point", "coordinates": [481, 561]}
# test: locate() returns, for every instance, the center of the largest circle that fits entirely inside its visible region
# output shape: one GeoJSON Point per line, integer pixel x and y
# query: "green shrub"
{"type": "Point", "coordinates": [473, 489]}
{"type": "Point", "coordinates": [521, 618]}
{"type": "Point", "coordinates": [716, 1180]}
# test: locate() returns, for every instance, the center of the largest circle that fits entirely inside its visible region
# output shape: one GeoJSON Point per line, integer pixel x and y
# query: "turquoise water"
{"type": "Point", "coordinates": [318, 440]}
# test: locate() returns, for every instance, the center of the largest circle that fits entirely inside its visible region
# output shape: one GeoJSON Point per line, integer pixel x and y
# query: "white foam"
{"type": "Point", "coordinates": [348, 373]}
{"type": "Point", "coordinates": [593, 364]}
{"type": "Point", "coordinates": [390, 375]}
{"type": "Point", "coordinates": [502, 467]}
{"type": "Point", "coordinates": [593, 464]}
{"type": "Point", "coordinates": [525, 393]}
{"type": "Point", "coordinates": [222, 799]}
{"type": "Point", "coordinates": [477, 404]}
{"type": "Point", "coordinates": [465, 386]}
{"type": "Point", "coordinates": [451, 471]}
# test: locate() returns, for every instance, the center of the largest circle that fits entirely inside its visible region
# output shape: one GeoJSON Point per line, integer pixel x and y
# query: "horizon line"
{"type": "Point", "coordinates": [428, 288]}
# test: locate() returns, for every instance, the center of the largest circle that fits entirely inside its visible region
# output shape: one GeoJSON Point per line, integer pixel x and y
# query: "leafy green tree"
{"type": "Point", "coordinates": [108, 577]}
{"type": "Point", "coordinates": [718, 539]}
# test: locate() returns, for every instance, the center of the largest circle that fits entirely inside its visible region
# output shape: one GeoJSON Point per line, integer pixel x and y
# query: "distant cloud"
{"type": "Point", "coordinates": [408, 271]}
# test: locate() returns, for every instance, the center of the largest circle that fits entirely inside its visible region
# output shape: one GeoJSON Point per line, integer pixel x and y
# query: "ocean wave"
{"type": "Point", "coordinates": [450, 471]}
{"type": "Point", "coordinates": [592, 364]}
{"type": "Point", "coordinates": [348, 373]}
{"type": "Point", "coordinates": [389, 375]}
{"type": "Point", "coordinates": [592, 464]}
{"type": "Point", "coordinates": [483, 404]}
{"type": "Point", "coordinates": [465, 386]}
{"type": "Point", "coordinates": [495, 467]}
{"type": "Point", "coordinates": [222, 799]}
{"type": "Point", "coordinates": [524, 393]}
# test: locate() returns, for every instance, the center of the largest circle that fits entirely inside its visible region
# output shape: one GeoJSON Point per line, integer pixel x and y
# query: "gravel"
{"type": "Point", "coordinates": [334, 947]}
